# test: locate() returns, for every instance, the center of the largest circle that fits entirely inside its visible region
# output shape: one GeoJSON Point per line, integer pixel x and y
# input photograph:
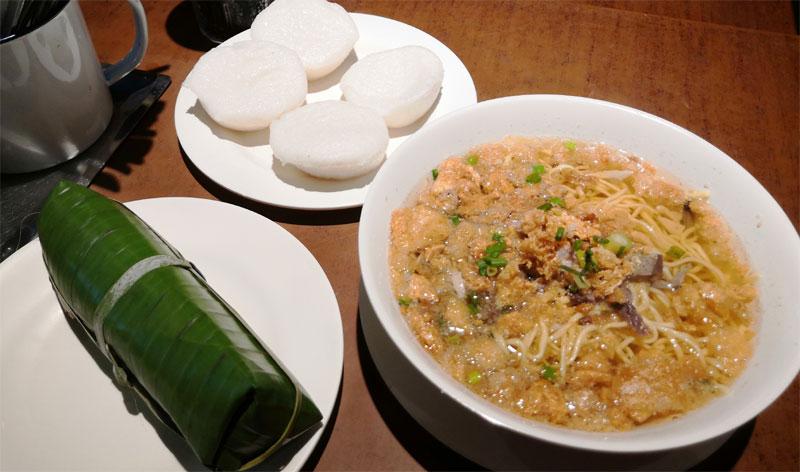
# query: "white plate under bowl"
{"type": "Point", "coordinates": [764, 230]}
{"type": "Point", "coordinates": [60, 411]}
{"type": "Point", "coordinates": [242, 162]}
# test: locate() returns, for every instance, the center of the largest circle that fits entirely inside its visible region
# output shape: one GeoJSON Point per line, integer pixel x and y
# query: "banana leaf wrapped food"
{"type": "Point", "coordinates": [167, 334]}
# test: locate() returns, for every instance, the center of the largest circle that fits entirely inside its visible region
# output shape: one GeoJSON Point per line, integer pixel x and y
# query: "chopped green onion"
{"type": "Point", "coordinates": [533, 178]}
{"type": "Point", "coordinates": [495, 249]}
{"type": "Point", "coordinates": [496, 261]}
{"type": "Point", "coordinates": [591, 263]}
{"type": "Point", "coordinates": [442, 323]}
{"type": "Point", "coordinates": [557, 201]}
{"type": "Point", "coordinates": [455, 219]}
{"type": "Point", "coordinates": [454, 339]}
{"type": "Point", "coordinates": [675, 252]}
{"type": "Point", "coordinates": [577, 244]}
{"type": "Point", "coordinates": [570, 145]}
{"type": "Point", "coordinates": [404, 301]}
{"type": "Point", "coordinates": [536, 176]}
{"type": "Point", "coordinates": [580, 254]}
{"type": "Point", "coordinates": [596, 238]}
{"type": "Point", "coordinates": [482, 266]}
{"type": "Point", "coordinates": [474, 377]}
{"type": "Point", "coordinates": [573, 288]}
{"type": "Point", "coordinates": [472, 159]}
{"type": "Point", "coordinates": [435, 173]}
{"type": "Point", "coordinates": [549, 373]}
{"type": "Point", "coordinates": [559, 234]}
{"type": "Point", "coordinates": [492, 261]}
{"type": "Point", "coordinates": [577, 276]}
{"type": "Point", "coordinates": [546, 207]}
{"type": "Point", "coordinates": [473, 308]}
{"type": "Point", "coordinates": [618, 243]}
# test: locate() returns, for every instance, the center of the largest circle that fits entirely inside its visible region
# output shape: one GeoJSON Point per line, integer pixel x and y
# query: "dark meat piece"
{"type": "Point", "coordinates": [582, 296]}
{"type": "Point", "coordinates": [687, 218]}
{"type": "Point", "coordinates": [628, 312]}
{"type": "Point", "coordinates": [634, 319]}
{"type": "Point", "coordinates": [646, 266]}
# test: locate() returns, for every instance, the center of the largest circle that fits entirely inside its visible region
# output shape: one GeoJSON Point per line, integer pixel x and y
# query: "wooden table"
{"type": "Point", "coordinates": [727, 71]}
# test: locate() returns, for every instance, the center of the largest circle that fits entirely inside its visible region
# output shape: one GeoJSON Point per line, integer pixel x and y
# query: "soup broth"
{"type": "Point", "coordinates": [573, 283]}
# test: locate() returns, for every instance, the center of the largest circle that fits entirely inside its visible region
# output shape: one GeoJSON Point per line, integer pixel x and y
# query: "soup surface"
{"type": "Point", "coordinates": [572, 283]}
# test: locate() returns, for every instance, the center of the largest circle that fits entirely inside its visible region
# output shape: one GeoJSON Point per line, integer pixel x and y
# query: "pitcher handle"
{"type": "Point", "coordinates": [116, 71]}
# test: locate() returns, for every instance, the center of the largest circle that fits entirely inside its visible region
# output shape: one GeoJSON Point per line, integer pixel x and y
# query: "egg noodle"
{"type": "Point", "coordinates": [656, 227]}
{"type": "Point", "coordinates": [573, 283]}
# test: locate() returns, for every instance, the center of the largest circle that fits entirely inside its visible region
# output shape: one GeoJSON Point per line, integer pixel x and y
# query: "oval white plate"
{"type": "Point", "coordinates": [242, 161]}
{"type": "Point", "coordinates": [60, 411]}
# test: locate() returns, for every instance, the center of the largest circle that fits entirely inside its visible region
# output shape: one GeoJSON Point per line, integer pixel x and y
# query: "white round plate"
{"type": "Point", "coordinates": [60, 410]}
{"type": "Point", "coordinates": [242, 162]}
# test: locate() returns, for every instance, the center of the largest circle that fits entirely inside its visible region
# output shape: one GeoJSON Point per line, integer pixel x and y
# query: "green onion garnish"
{"type": "Point", "coordinates": [495, 249]}
{"type": "Point", "coordinates": [492, 261]}
{"type": "Point", "coordinates": [577, 244]}
{"type": "Point", "coordinates": [557, 201]}
{"type": "Point", "coordinates": [474, 377]}
{"type": "Point", "coordinates": [617, 243]}
{"type": "Point", "coordinates": [591, 263]}
{"type": "Point", "coordinates": [496, 261]}
{"type": "Point", "coordinates": [549, 372]}
{"type": "Point", "coordinates": [454, 339]}
{"type": "Point", "coordinates": [559, 234]}
{"type": "Point", "coordinates": [546, 207]}
{"type": "Point", "coordinates": [580, 254]}
{"type": "Point", "coordinates": [455, 219]}
{"type": "Point", "coordinates": [536, 176]}
{"type": "Point", "coordinates": [577, 276]}
{"type": "Point", "coordinates": [482, 266]}
{"type": "Point", "coordinates": [596, 238]}
{"type": "Point", "coordinates": [404, 301]}
{"type": "Point", "coordinates": [472, 159]}
{"type": "Point", "coordinates": [570, 145]}
{"type": "Point", "coordinates": [675, 252]}
{"type": "Point", "coordinates": [533, 178]}
{"type": "Point", "coordinates": [442, 323]}
{"type": "Point", "coordinates": [435, 173]}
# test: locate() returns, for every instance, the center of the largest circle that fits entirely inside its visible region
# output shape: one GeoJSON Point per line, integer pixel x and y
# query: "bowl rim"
{"type": "Point", "coordinates": [624, 441]}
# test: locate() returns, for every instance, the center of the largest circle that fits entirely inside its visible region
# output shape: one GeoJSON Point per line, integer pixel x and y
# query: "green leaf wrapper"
{"type": "Point", "coordinates": [167, 333]}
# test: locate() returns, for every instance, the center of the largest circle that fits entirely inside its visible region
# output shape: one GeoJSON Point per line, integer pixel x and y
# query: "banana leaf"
{"type": "Point", "coordinates": [167, 334]}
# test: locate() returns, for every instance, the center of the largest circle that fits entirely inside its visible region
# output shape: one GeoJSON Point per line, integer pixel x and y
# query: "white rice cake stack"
{"type": "Point", "coordinates": [246, 85]}
{"type": "Point", "coordinates": [330, 139]}
{"type": "Point", "coordinates": [400, 84]}
{"type": "Point", "coordinates": [322, 33]}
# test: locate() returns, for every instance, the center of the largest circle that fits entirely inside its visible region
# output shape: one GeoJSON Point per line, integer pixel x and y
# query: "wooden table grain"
{"type": "Point", "coordinates": [727, 71]}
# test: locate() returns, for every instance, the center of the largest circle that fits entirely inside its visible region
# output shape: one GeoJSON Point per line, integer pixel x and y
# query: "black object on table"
{"type": "Point", "coordinates": [22, 195]}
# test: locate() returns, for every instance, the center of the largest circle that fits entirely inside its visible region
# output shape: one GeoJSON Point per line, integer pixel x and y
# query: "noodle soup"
{"type": "Point", "coordinates": [573, 284]}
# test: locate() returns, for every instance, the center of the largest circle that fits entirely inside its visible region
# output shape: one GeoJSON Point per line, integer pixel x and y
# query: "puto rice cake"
{"type": "Point", "coordinates": [321, 32]}
{"type": "Point", "coordinates": [400, 84]}
{"type": "Point", "coordinates": [330, 139]}
{"type": "Point", "coordinates": [246, 85]}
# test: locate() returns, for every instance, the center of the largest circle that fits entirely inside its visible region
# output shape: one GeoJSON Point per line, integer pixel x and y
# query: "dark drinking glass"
{"type": "Point", "coordinates": [221, 19]}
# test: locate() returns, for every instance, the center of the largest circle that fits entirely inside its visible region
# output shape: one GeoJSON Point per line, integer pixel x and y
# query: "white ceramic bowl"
{"type": "Point", "coordinates": [763, 228]}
